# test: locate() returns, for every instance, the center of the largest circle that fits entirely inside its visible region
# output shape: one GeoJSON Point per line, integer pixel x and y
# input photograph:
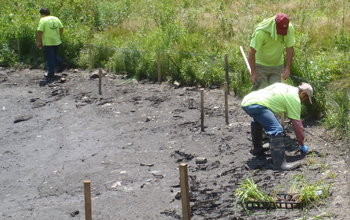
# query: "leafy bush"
{"type": "Point", "coordinates": [191, 36]}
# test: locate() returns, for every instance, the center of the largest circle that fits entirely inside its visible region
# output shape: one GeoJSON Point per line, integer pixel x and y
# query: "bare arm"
{"type": "Point", "coordinates": [39, 41]}
{"type": "Point", "coordinates": [61, 31]}
{"type": "Point", "coordinates": [289, 59]}
{"type": "Point", "coordinates": [251, 60]}
{"type": "Point", "coordinates": [299, 131]}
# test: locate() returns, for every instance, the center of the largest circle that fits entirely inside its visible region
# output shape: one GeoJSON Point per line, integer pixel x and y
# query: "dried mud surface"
{"type": "Point", "coordinates": [129, 142]}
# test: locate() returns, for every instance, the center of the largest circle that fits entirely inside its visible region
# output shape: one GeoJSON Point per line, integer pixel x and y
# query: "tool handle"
{"type": "Point", "coordinates": [245, 58]}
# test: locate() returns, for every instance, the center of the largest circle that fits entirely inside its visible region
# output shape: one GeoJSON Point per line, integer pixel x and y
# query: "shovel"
{"type": "Point", "coordinates": [257, 84]}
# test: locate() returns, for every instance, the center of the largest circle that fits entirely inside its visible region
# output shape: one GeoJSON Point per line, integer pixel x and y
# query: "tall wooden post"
{"type": "Point", "coordinates": [19, 51]}
{"type": "Point", "coordinates": [159, 68]}
{"type": "Point", "coordinates": [88, 210]}
{"type": "Point", "coordinates": [202, 109]}
{"type": "Point", "coordinates": [100, 81]}
{"type": "Point", "coordinates": [226, 102]}
{"type": "Point", "coordinates": [90, 56]}
{"type": "Point", "coordinates": [227, 77]}
{"type": "Point", "coordinates": [185, 194]}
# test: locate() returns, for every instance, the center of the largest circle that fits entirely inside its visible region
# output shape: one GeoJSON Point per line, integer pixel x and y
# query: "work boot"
{"type": "Point", "coordinates": [278, 155]}
{"type": "Point", "coordinates": [265, 137]}
{"type": "Point", "coordinates": [256, 131]}
{"type": "Point", "coordinates": [62, 66]}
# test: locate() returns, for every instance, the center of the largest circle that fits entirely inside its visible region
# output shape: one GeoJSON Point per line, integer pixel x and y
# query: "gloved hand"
{"type": "Point", "coordinates": [303, 148]}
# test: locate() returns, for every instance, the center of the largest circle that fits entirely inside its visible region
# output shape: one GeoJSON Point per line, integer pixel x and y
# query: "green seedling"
{"type": "Point", "coordinates": [307, 193]}
{"type": "Point", "coordinates": [249, 192]}
{"type": "Point", "coordinates": [310, 158]}
{"type": "Point", "coordinates": [331, 175]}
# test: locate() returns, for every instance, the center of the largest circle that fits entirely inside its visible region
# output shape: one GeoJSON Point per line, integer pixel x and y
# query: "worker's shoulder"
{"type": "Point", "coordinates": [49, 18]}
{"type": "Point", "coordinates": [280, 87]}
{"type": "Point", "coordinates": [262, 32]}
{"type": "Point", "coordinates": [262, 35]}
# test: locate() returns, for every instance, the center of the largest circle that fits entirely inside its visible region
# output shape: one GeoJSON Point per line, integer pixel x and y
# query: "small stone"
{"type": "Point", "coordinates": [74, 213]}
{"type": "Point", "coordinates": [94, 75]}
{"type": "Point", "coordinates": [86, 99]}
{"type": "Point", "coordinates": [78, 105]}
{"type": "Point", "coordinates": [201, 160]}
{"type": "Point", "coordinates": [22, 118]}
{"type": "Point", "coordinates": [176, 84]}
{"type": "Point", "coordinates": [266, 145]}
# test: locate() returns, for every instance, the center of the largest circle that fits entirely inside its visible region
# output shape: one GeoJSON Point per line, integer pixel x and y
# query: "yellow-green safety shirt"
{"type": "Point", "coordinates": [50, 26]}
{"type": "Point", "coordinates": [278, 97]}
{"type": "Point", "coordinates": [269, 52]}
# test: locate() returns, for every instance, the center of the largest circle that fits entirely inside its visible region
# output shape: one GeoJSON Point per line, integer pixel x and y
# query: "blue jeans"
{"type": "Point", "coordinates": [266, 118]}
{"type": "Point", "coordinates": [52, 58]}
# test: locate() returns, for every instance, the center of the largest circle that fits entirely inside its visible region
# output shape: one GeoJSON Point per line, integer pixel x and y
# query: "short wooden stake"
{"type": "Point", "coordinates": [90, 55]}
{"type": "Point", "coordinates": [19, 51]}
{"type": "Point", "coordinates": [202, 109]}
{"type": "Point", "coordinates": [159, 69]}
{"type": "Point", "coordinates": [227, 77]}
{"type": "Point", "coordinates": [185, 194]}
{"type": "Point", "coordinates": [226, 102]}
{"type": "Point", "coordinates": [87, 190]}
{"type": "Point", "coordinates": [100, 82]}
{"type": "Point", "coordinates": [282, 114]}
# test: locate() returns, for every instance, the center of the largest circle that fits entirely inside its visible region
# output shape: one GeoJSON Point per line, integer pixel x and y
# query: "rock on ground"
{"type": "Point", "coordinates": [129, 142]}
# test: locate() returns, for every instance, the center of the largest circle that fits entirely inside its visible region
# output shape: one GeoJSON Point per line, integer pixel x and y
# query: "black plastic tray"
{"type": "Point", "coordinates": [284, 203]}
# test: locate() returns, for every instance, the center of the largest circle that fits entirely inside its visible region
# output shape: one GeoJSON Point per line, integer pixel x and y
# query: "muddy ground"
{"type": "Point", "coordinates": [129, 142]}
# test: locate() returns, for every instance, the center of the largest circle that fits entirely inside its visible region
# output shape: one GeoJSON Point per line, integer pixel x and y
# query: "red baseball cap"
{"type": "Point", "coordinates": [282, 22]}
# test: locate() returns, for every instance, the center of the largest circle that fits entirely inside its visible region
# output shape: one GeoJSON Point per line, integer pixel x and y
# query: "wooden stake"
{"type": "Point", "coordinates": [185, 194]}
{"type": "Point", "coordinates": [226, 102]}
{"type": "Point", "coordinates": [202, 109]}
{"type": "Point", "coordinates": [90, 55]}
{"type": "Point", "coordinates": [100, 82]}
{"type": "Point", "coordinates": [19, 51]}
{"type": "Point", "coordinates": [227, 77]}
{"type": "Point", "coordinates": [282, 114]}
{"type": "Point", "coordinates": [159, 69]}
{"type": "Point", "coordinates": [87, 189]}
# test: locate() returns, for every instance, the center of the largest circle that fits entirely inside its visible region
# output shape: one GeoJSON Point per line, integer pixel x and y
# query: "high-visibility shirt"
{"type": "Point", "coordinates": [50, 26]}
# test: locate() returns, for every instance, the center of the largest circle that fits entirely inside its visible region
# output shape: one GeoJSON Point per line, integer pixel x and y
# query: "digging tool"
{"type": "Point", "coordinates": [257, 83]}
{"type": "Point", "coordinates": [245, 58]}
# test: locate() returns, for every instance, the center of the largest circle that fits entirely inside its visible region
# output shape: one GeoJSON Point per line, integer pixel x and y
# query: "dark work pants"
{"type": "Point", "coordinates": [52, 58]}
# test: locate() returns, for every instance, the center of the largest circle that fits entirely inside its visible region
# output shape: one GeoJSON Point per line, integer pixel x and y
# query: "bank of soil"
{"type": "Point", "coordinates": [129, 142]}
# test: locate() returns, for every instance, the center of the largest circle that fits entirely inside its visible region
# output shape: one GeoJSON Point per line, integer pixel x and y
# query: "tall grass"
{"type": "Point", "coordinates": [192, 37]}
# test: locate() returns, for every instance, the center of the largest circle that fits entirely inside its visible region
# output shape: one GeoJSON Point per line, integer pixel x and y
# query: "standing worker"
{"type": "Point", "coordinates": [275, 99]}
{"type": "Point", "coordinates": [50, 31]}
{"type": "Point", "coordinates": [265, 56]}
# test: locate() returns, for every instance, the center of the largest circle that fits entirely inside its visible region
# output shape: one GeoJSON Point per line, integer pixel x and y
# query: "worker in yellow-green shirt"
{"type": "Point", "coordinates": [265, 56]}
{"type": "Point", "coordinates": [50, 30]}
{"type": "Point", "coordinates": [276, 99]}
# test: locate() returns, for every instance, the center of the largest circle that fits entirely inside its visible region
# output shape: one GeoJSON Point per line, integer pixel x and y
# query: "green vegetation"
{"type": "Point", "coordinates": [309, 195]}
{"type": "Point", "coordinates": [192, 37]}
{"type": "Point", "coordinates": [249, 192]}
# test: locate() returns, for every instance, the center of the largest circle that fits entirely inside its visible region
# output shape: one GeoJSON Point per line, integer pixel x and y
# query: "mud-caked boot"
{"type": "Point", "coordinates": [278, 155]}
{"type": "Point", "coordinates": [256, 131]}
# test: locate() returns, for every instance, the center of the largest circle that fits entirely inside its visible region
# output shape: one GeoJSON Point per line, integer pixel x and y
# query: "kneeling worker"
{"type": "Point", "coordinates": [275, 99]}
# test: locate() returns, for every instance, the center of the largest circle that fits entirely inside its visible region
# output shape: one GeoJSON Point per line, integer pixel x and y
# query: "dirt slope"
{"type": "Point", "coordinates": [129, 142]}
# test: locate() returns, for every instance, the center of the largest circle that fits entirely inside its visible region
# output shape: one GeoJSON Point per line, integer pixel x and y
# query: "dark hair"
{"type": "Point", "coordinates": [44, 11]}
